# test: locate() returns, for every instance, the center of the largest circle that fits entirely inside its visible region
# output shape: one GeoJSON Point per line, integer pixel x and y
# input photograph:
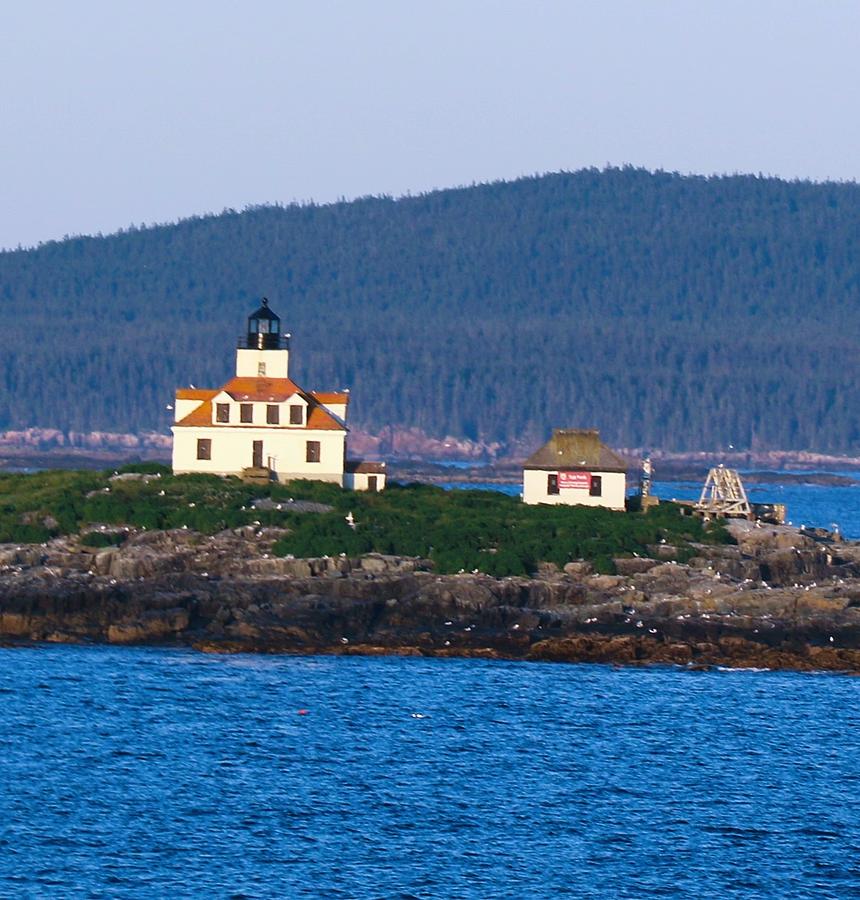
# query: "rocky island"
{"type": "Point", "coordinates": [777, 598]}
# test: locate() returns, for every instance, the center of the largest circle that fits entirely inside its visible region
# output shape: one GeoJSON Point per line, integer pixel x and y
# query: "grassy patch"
{"type": "Point", "coordinates": [483, 530]}
{"type": "Point", "coordinates": [466, 530]}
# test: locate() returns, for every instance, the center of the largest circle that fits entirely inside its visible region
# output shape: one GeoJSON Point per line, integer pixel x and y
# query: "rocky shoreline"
{"type": "Point", "coordinates": [780, 599]}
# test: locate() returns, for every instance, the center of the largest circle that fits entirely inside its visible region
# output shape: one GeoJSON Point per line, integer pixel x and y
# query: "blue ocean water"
{"type": "Point", "coordinates": [814, 505]}
{"type": "Point", "coordinates": [166, 773]}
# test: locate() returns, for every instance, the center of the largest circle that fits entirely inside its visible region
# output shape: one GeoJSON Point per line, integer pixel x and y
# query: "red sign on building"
{"type": "Point", "coordinates": [578, 481]}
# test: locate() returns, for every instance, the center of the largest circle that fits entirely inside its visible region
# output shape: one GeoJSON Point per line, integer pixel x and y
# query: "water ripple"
{"type": "Point", "coordinates": [153, 773]}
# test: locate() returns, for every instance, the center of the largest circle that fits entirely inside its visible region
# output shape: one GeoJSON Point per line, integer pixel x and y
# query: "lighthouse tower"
{"type": "Point", "coordinates": [263, 352]}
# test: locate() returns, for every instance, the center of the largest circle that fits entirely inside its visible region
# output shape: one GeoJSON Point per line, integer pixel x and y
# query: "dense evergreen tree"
{"type": "Point", "coordinates": [680, 312]}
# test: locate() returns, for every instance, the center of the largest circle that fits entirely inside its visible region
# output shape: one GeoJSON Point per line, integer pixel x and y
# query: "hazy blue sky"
{"type": "Point", "coordinates": [129, 112]}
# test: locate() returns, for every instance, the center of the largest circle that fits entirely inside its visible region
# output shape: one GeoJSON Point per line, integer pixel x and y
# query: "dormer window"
{"type": "Point", "coordinates": [297, 414]}
{"type": "Point", "coordinates": [246, 413]}
{"type": "Point", "coordinates": [222, 412]}
{"type": "Point", "coordinates": [273, 414]}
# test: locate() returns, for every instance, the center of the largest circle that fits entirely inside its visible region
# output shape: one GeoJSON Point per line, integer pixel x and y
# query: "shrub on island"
{"type": "Point", "coordinates": [458, 530]}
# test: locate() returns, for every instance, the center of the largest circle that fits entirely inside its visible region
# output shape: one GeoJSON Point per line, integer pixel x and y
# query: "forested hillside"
{"type": "Point", "coordinates": [669, 311]}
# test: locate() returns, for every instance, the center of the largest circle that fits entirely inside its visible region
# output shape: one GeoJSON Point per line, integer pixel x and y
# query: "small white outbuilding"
{"type": "Point", "coordinates": [575, 468]}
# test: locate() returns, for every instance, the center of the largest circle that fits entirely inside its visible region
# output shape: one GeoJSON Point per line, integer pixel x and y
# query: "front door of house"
{"type": "Point", "coordinates": [258, 455]}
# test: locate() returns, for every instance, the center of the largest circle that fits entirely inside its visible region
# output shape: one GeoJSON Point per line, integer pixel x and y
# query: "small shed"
{"type": "Point", "coordinates": [574, 467]}
{"type": "Point", "coordinates": [361, 475]}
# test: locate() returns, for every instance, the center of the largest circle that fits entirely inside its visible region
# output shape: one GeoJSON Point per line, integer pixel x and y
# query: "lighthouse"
{"type": "Point", "coordinates": [261, 425]}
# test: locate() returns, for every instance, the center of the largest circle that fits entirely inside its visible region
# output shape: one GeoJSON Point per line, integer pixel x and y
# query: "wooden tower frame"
{"type": "Point", "coordinates": [724, 494]}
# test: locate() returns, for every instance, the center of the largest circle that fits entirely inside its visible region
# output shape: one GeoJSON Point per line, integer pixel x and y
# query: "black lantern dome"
{"type": "Point", "coordinates": [264, 329]}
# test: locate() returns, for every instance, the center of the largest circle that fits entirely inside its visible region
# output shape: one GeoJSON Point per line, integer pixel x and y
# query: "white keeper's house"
{"type": "Point", "coordinates": [261, 424]}
{"type": "Point", "coordinates": [575, 468]}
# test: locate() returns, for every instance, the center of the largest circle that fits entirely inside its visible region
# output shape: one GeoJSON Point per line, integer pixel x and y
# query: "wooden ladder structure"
{"type": "Point", "coordinates": [724, 494]}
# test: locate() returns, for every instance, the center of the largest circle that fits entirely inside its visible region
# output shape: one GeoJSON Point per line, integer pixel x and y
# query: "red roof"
{"type": "Point", "coordinates": [273, 390]}
{"type": "Point", "coordinates": [195, 394]}
{"type": "Point", "coordinates": [202, 415]}
{"type": "Point", "coordinates": [261, 390]}
{"type": "Point", "coordinates": [336, 397]}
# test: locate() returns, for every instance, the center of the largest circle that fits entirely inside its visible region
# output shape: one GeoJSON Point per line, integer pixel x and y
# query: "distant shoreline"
{"type": "Point", "coordinates": [771, 467]}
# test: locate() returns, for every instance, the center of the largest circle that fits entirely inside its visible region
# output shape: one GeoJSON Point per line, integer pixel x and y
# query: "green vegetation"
{"type": "Point", "coordinates": [669, 311]}
{"type": "Point", "coordinates": [34, 508]}
{"type": "Point", "coordinates": [458, 530]}
{"type": "Point", "coordinates": [484, 530]}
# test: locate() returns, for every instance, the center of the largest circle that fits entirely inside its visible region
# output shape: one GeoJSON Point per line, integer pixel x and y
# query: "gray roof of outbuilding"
{"type": "Point", "coordinates": [364, 466]}
{"type": "Point", "coordinates": [576, 449]}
